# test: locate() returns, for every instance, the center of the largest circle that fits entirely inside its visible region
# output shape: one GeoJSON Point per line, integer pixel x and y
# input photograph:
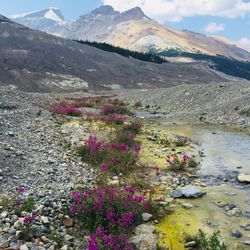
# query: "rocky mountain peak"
{"type": "Point", "coordinates": [104, 10]}
{"type": "Point", "coordinates": [49, 13]}
{"type": "Point", "coordinates": [134, 13]}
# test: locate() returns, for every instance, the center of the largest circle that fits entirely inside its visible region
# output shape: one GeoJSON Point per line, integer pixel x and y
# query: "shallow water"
{"type": "Point", "coordinates": [227, 153]}
{"type": "Point", "coordinates": [225, 150]}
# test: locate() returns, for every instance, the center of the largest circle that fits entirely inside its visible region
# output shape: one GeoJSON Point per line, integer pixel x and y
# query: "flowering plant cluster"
{"type": "Point", "coordinates": [133, 127]}
{"type": "Point", "coordinates": [113, 209]}
{"type": "Point", "coordinates": [114, 157]}
{"type": "Point", "coordinates": [23, 202]}
{"type": "Point", "coordinates": [101, 240]}
{"type": "Point", "coordinates": [108, 214]}
{"type": "Point", "coordinates": [29, 219]}
{"type": "Point", "coordinates": [125, 137]}
{"type": "Point", "coordinates": [178, 164]}
{"type": "Point", "coordinates": [116, 119]}
{"type": "Point", "coordinates": [113, 109]}
{"type": "Point", "coordinates": [92, 102]}
{"type": "Point", "coordinates": [89, 102]}
{"type": "Point", "coordinates": [65, 109]}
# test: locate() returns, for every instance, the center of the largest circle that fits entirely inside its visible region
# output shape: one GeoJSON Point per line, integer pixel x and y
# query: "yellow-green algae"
{"type": "Point", "coordinates": [153, 152]}
{"type": "Point", "coordinates": [206, 215]}
{"type": "Point", "coordinates": [173, 227]}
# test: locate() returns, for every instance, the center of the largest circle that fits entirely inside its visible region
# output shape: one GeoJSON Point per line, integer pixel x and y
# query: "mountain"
{"type": "Point", "coordinates": [49, 20]}
{"type": "Point", "coordinates": [37, 61]}
{"type": "Point", "coordinates": [133, 30]}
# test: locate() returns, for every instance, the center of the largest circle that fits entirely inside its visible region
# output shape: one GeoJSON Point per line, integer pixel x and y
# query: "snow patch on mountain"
{"type": "Point", "coordinates": [50, 14]}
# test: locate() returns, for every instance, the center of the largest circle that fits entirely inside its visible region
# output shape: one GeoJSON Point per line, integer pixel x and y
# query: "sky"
{"type": "Point", "coordinates": [228, 18]}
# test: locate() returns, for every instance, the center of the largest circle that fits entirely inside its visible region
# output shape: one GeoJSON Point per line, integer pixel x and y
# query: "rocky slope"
{"type": "Point", "coordinates": [218, 103]}
{"type": "Point", "coordinates": [34, 156]}
{"type": "Point", "coordinates": [37, 61]}
{"type": "Point", "coordinates": [131, 29]}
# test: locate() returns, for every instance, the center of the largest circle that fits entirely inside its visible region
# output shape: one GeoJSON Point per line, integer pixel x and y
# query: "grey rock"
{"type": "Point", "coordinates": [144, 229]}
{"type": "Point", "coordinates": [144, 242]}
{"type": "Point", "coordinates": [39, 230]}
{"type": "Point", "coordinates": [176, 193]}
{"type": "Point", "coordinates": [4, 243]}
{"type": "Point", "coordinates": [246, 227]}
{"type": "Point", "coordinates": [192, 193]}
{"type": "Point", "coordinates": [12, 231]}
{"type": "Point", "coordinates": [234, 212]}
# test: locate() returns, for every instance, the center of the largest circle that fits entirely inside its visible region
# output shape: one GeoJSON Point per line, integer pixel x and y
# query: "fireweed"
{"type": "Point", "coordinates": [100, 240]}
{"type": "Point", "coordinates": [133, 127]}
{"type": "Point", "coordinates": [27, 229]}
{"type": "Point", "coordinates": [66, 109]}
{"type": "Point", "coordinates": [111, 209]}
{"type": "Point", "coordinates": [94, 102]}
{"type": "Point", "coordinates": [112, 109]}
{"type": "Point", "coordinates": [113, 157]}
{"type": "Point", "coordinates": [115, 119]}
{"type": "Point", "coordinates": [23, 202]}
{"type": "Point", "coordinates": [179, 164]}
{"type": "Point", "coordinates": [125, 137]}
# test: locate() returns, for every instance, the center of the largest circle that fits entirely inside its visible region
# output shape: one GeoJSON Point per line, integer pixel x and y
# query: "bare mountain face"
{"type": "Point", "coordinates": [133, 30]}
{"type": "Point", "coordinates": [37, 61]}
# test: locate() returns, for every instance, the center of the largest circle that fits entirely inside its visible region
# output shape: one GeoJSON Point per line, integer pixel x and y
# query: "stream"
{"type": "Point", "coordinates": [226, 151]}
{"type": "Point", "coordinates": [226, 155]}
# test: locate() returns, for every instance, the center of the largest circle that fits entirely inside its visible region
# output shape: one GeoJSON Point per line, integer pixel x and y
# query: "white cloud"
{"type": "Point", "coordinates": [214, 27]}
{"type": "Point", "coordinates": [175, 10]}
{"type": "Point", "coordinates": [243, 43]}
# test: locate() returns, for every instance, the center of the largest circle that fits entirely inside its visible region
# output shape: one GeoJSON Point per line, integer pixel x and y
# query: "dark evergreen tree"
{"type": "Point", "coordinates": [149, 57]}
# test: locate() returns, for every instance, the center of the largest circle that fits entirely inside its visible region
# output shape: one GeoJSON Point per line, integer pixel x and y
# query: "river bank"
{"type": "Point", "coordinates": [225, 104]}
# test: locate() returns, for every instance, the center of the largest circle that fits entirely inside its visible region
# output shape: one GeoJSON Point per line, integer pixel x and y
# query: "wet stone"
{"type": "Point", "coordinates": [192, 193]}
{"type": "Point", "coordinates": [191, 244]}
{"type": "Point", "coordinates": [236, 233]}
{"type": "Point", "coordinates": [246, 227]}
{"type": "Point", "coordinates": [176, 193]}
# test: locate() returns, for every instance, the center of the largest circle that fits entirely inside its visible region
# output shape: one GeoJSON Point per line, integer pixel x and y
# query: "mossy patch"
{"type": "Point", "coordinates": [174, 227]}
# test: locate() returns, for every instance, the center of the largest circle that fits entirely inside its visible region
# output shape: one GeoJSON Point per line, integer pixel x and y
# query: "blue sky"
{"type": "Point", "coordinates": [229, 18]}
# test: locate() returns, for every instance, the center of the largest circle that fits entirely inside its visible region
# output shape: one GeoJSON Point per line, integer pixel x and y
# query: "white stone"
{"type": "Point", "coordinates": [4, 215]}
{"type": "Point", "coordinates": [45, 220]}
{"type": "Point", "coordinates": [24, 247]}
{"type": "Point", "coordinates": [244, 178]}
{"type": "Point", "coordinates": [147, 217]}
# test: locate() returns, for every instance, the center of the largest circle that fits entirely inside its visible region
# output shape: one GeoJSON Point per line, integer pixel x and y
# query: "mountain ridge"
{"type": "Point", "coordinates": [133, 30]}
{"type": "Point", "coordinates": [37, 61]}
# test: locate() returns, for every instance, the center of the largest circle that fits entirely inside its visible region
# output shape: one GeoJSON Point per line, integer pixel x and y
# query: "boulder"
{"type": "Point", "coordinates": [192, 193]}
{"type": "Point", "coordinates": [176, 193]}
{"type": "Point", "coordinates": [144, 229]}
{"type": "Point", "coordinates": [144, 242]}
{"type": "Point", "coordinates": [144, 238]}
{"type": "Point", "coordinates": [243, 178]}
